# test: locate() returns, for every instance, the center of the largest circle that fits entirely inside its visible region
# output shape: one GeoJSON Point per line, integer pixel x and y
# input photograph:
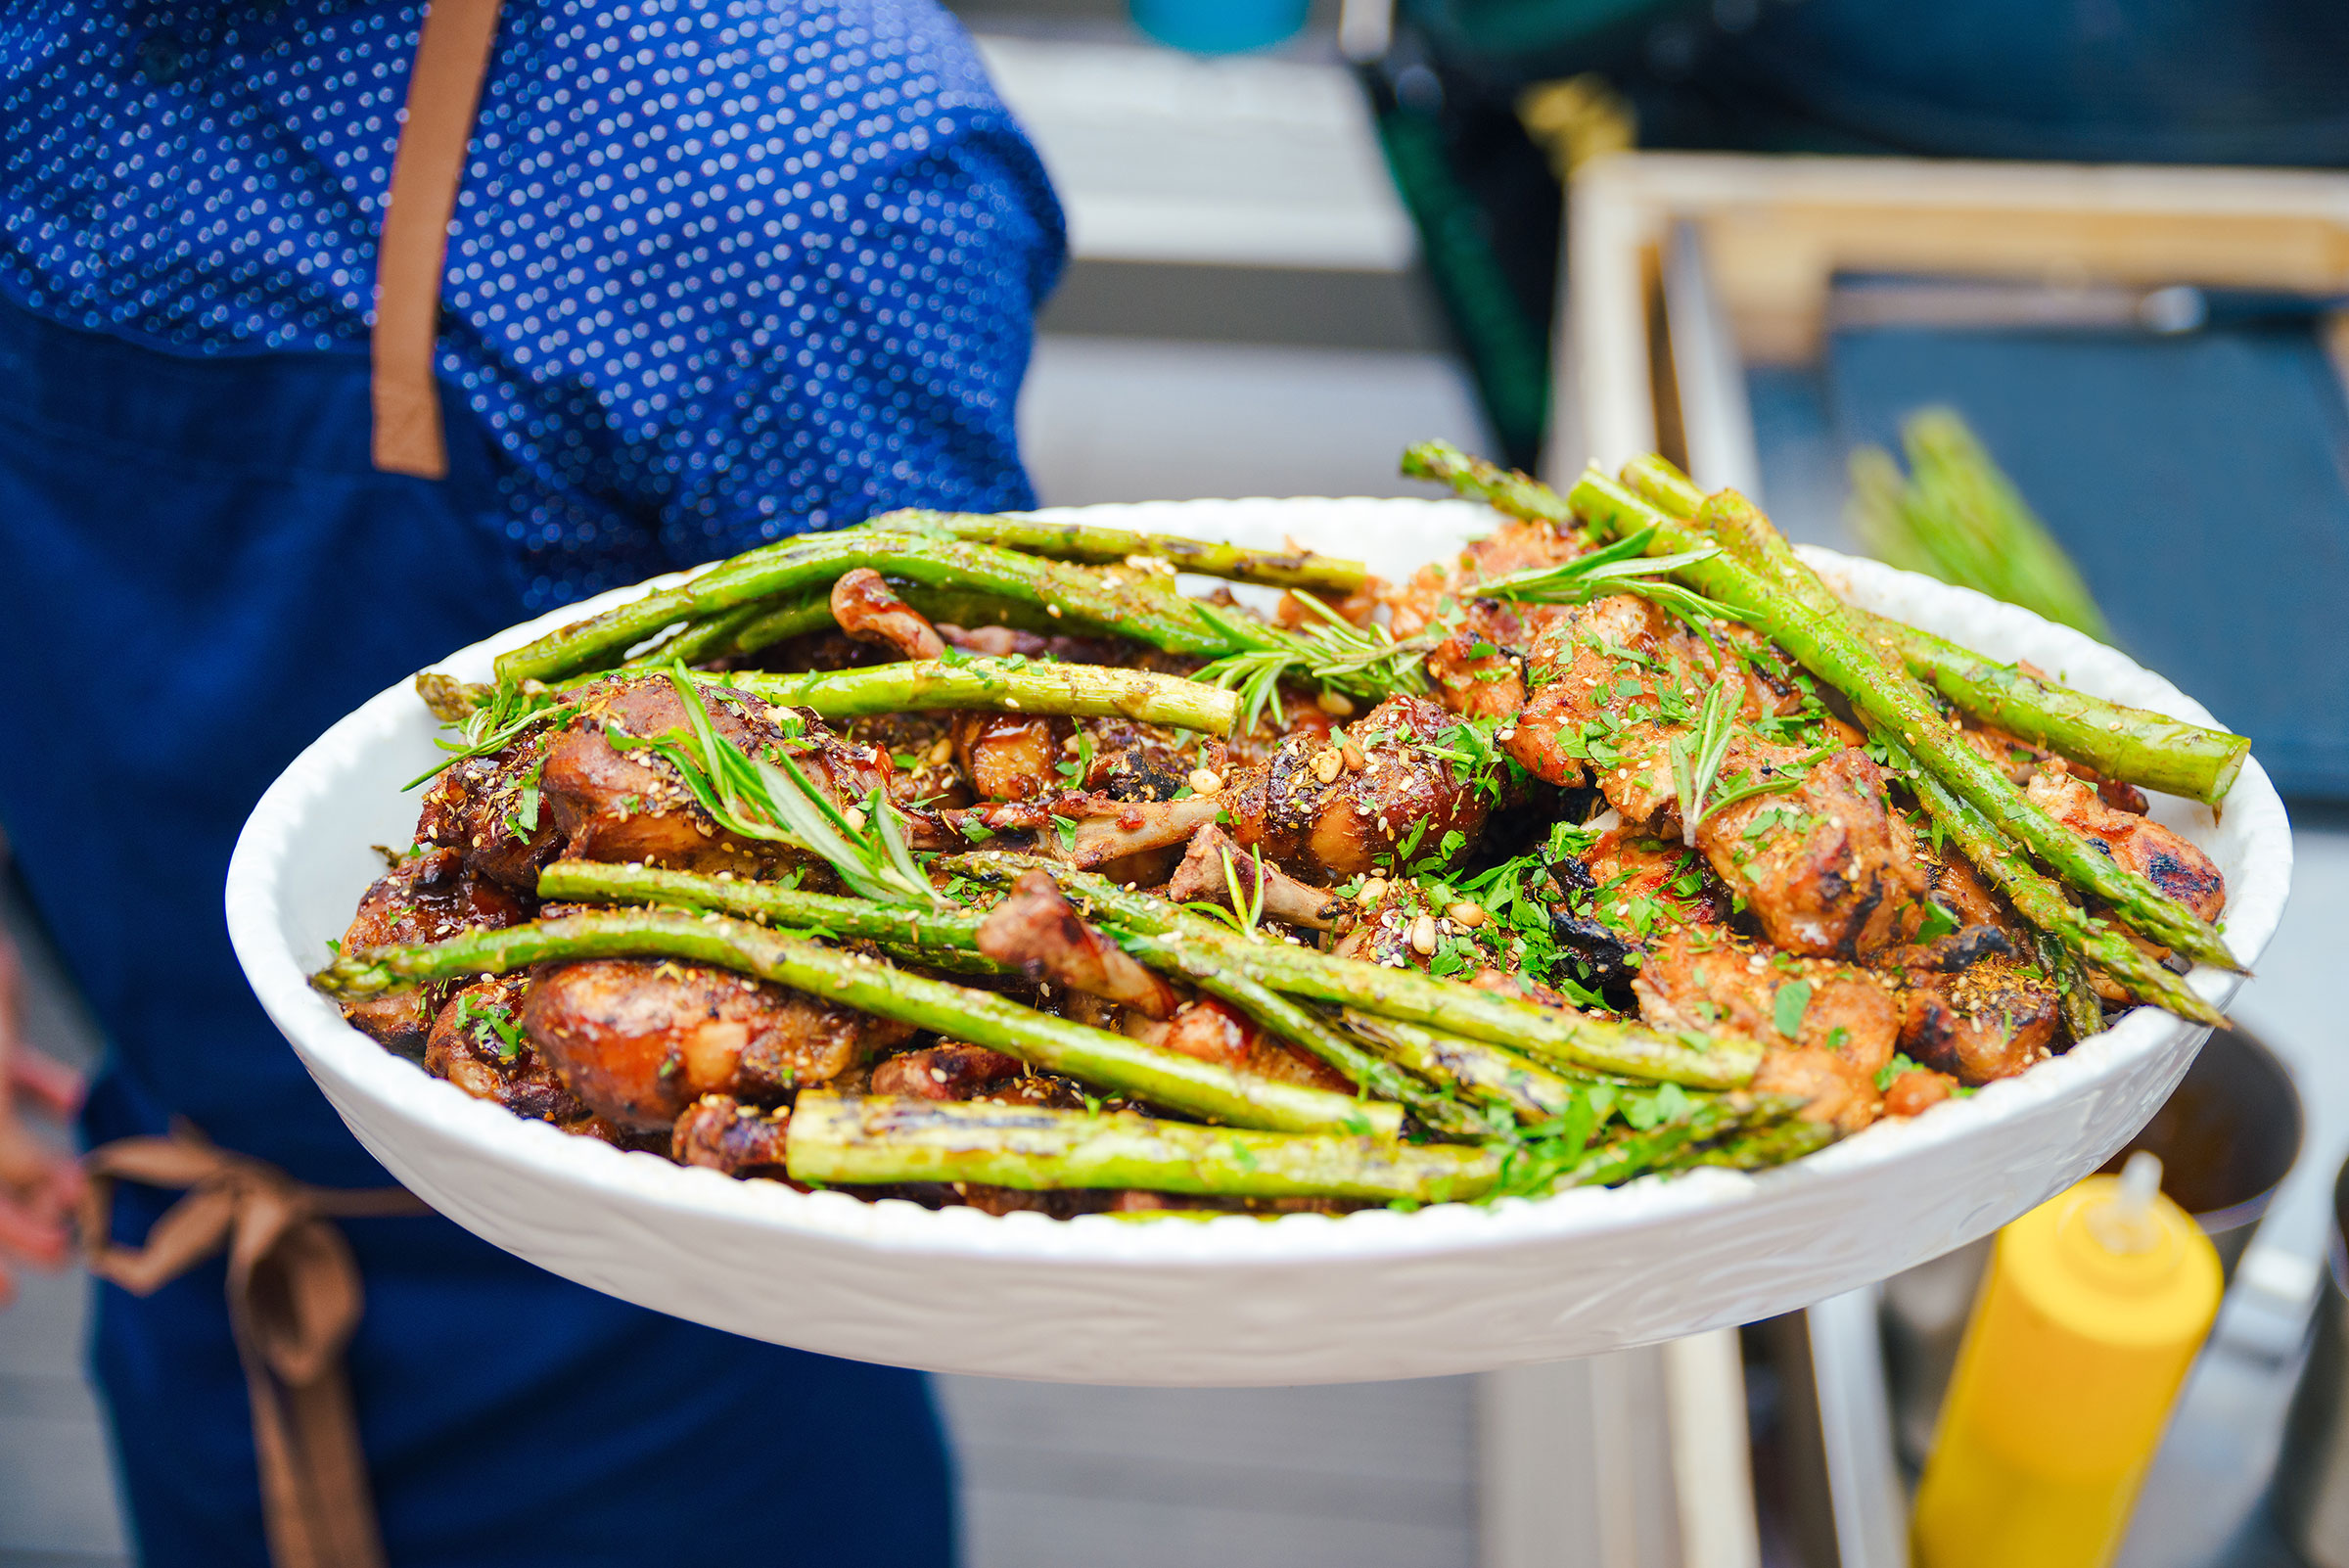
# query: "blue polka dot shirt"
{"type": "Point", "coordinates": [720, 270]}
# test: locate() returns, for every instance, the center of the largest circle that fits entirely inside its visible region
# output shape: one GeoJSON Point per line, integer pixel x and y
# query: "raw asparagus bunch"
{"type": "Point", "coordinates": [1957, 518]}
{"type": "Point", "coordinates": [1808, 621]}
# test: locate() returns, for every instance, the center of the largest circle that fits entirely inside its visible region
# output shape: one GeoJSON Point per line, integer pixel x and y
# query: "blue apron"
{"type": "Point", "coordinates": [199, 571]}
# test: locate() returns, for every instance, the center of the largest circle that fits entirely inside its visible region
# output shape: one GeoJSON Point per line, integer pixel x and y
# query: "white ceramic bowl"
{"type": "Point", "coordinates": [1233, 1301]}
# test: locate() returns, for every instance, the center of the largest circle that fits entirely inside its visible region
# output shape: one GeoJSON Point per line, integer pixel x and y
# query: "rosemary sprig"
{"type": "Point", "coordinates": [1338, 654]}
{"type": "Point", "coordinates": [1787, 779]}
{"type": "Point", "coordinates": [1696, 758]}
{"type": "Point", "coordinates": [1247, 912]}
{"type": "Point", "coordinates": [510, 711]}
{"type": "Point", "coordinates": [777, 801]}
{"type": "Point", "coordinates": [1622, 567]}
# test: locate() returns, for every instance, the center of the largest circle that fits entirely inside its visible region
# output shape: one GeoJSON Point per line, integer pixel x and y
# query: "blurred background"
{"type": "Point", "coordinates": [1304, 235]}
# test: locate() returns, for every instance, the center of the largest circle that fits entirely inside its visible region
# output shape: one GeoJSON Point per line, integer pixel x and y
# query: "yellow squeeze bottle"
{"type": "Point", "coordinates": [2095, 1304]}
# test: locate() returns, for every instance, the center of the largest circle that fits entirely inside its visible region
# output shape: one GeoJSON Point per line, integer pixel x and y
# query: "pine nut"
{"type": "Point", "coordinates": [1423, 935]}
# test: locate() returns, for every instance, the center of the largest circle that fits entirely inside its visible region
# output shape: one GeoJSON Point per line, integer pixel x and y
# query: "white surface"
{"type": "Point", "coordinates": [1855, 1427]}
{"type": "Point", "coordinates": [1122, 419]}
{"type": "Point", "coordinates": [1242, 160]}
{"type": "Point", "coordinates": [1303, 1299]}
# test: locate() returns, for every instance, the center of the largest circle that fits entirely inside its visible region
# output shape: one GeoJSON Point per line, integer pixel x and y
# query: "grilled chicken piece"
{"type": "Point", "coordinates": [1515, 546]}
{"type": "Point", "coordinates": [1833, 1088]}
{"type": "Point", "coordinates": [1973, 1008]}
{"type": "Point", "coordinates": [1215, 1031]}
{"type": "Point", "coordinates": [1038, 932]}
{"type": "Point", "coordinates": [1820, 862]}
{"type": "Point", "coordinates": [1586, 663]}
{"type": "Point", "coordinates": [2137, 842]}
{"type": "Point", "coordinates": [477, 1045]}
{"type": "Point", "coordinates": [425, 897]}
{"type": "Point", "coordinates": [1478, 671]}
{"type": "Point", "coordinates": [492, 809]}
{"type": "Point", "coordinates": [869, 609]}
{"type": "Point", "coordinates": [946, 1070]}
{"type": "Point", "coordinates": [921, 750]}
{"type": "Point", "coordinates": [1010, 756]}
{"type": "Point", "coordinates": [1337, 809]}
{"type": "Point", "coordinates": [1091, 832]}
{"type": "Point", "coordinates": [1628, 888]}
{"type": "Point", "coordinates": [1202, 878]}
{"type": "Point", "coordinates": [1821, 865]}
{"type": "Point", "coordinates": [1843, 1037]}
{"type": "Point", "coordinates": [1916, 1092]}
{"type": "Point", "coordinates": [1954, 897]}
{"type": "Point", "coordinates": [632, 806]}
{"type": "Point", "coordinates": [722, 1133]}
{"type": "Point", "coordinates": [640, 1039]}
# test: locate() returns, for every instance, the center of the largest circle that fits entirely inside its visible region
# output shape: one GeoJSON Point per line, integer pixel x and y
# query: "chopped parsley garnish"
{"type": "Point", "coordinates": [492, 1025]}
{"type": "Point", "coordinates": [1789, 1005]}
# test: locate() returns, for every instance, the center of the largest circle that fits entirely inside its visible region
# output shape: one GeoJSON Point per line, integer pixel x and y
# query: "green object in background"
{"type": "Point", "coordinates": [1957, 518]}
{"type": "Point", "coordinates": [1507, 351]}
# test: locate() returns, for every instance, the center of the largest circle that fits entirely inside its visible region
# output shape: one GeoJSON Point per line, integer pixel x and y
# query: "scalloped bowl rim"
{"type": "Point", "coordinates": [333, 1049]}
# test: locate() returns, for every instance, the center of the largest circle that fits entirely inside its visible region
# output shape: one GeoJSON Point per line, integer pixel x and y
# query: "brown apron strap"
{"type": "Point", "coordinates": [452, 56]}
{"type": "Point", "coordinates": [293, 1301]}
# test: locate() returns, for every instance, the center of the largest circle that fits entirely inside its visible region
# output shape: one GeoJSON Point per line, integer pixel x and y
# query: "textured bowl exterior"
{"type": "Point", "coordinates": [1233, 1301]}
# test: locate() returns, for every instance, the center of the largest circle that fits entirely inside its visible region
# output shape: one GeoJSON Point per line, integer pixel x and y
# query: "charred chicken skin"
{"type": "Point", "coordinates": [626, 803]}
{"type": "Point", "coordinates": [638, 1040]}
{"type": "Point", "coordinates": [429, 897]}
{"type": "Point", "coordinates": [1809, 847]}
{"type": "Point", "coordinates": [1826, 1041]}
{"type": "Point", "coordinates": [492, 811]}
{"type": "Point", "coordinates": [1341, 808]}
{"type": "Point", "coordinates": [478, 1044]}
{"type": "Point", "coordinates": [2137, 842]}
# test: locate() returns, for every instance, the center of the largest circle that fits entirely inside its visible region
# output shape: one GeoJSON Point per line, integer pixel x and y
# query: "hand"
{"type": "Point", "coordinates": [39, 1185]}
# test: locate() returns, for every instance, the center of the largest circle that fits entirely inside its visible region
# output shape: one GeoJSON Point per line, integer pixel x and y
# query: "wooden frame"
{"type": "Point", "coordinates": [1769, 235]}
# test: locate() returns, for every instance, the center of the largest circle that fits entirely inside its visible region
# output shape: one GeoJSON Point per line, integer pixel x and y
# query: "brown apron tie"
{"type": "Point", "coordinates": [452, 56]}
{"type": "Point", "coordinates": [292, 1299]}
